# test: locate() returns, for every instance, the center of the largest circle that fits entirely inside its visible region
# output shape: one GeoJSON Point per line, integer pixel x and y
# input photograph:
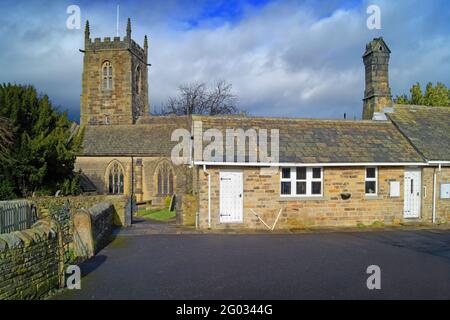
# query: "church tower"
{"type": "Point", "coordinates": [114, 80]}
{"type": "Point", "coordinates": [377, 94]}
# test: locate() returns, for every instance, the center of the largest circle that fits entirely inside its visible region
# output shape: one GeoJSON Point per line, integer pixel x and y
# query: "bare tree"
{"type": "Point", "coordinates": [5, 138]}
{"type": "Point", "coordinates": [197, 98]}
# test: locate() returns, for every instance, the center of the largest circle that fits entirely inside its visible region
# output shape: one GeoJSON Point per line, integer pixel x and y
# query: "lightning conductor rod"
{"type": "Point", "coordinates": [117, 21]}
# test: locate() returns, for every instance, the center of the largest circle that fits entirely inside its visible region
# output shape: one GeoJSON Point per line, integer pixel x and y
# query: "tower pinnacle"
{"type": "Point", "coordinates": [129, 29]}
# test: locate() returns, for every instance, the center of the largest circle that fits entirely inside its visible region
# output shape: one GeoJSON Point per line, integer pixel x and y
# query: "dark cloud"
{"type": "Point", "coordinates": [284, 58]}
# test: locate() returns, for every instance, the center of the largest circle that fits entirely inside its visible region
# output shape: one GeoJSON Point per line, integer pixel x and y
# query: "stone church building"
{"type": "Point", "coordinates": [391, 167]}
{"type": "Point", "coordinates": [125, 151]}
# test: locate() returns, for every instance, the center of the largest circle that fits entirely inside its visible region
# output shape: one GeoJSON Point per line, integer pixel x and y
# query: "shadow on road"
{"type": "Point", "coordinates": [92, 264]}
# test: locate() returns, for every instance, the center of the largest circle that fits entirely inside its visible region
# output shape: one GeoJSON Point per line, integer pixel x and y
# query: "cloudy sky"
{"type": "Point", "coordinates": [284, 58]}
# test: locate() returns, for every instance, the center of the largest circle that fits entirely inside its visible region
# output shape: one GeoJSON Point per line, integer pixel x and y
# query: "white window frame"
{"type": "Point", "coordinates": [366, 179]}
{"type": "Point", "coordinates": [309, 180]}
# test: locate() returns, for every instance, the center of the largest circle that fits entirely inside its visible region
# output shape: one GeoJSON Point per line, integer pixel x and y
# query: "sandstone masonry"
{"type": "Point", "coordinates": [127, 98]}
{"type": "Point", "coordinates": [262, 194]}
{"type": "Point", "coordinates": [29, 262]}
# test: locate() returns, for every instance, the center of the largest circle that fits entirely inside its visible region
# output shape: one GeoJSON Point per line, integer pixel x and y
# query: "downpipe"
{"type": "Point", "coordinates": [434, 192]}
{"type": "Point", "coordinates": [209, 195]}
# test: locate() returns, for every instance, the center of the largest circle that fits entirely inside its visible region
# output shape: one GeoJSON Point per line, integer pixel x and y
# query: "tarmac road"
{"type": "Point", "coordinates": [415, 264]}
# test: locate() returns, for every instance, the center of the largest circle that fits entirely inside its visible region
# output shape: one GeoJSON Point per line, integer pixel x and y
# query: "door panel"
{"type": "Point", "coordinates": [412, 193]}
{"type": "Point", "coordinates": [231, 196]}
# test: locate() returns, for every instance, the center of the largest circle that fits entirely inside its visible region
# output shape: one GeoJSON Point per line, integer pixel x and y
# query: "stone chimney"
{"type": "Point", "coordinates": [377, 94]}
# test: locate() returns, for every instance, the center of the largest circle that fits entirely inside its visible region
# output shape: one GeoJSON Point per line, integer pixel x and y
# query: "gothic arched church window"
{"type": "Point", "coordinates": [115, 179]}
{"type": "Point", "coordinates": [107, 75]}
{"type": "Point", "coordinates": [165, 180]}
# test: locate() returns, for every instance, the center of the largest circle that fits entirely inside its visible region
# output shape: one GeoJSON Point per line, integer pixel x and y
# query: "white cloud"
{"type": "Point", "coordinates": [284, 59]}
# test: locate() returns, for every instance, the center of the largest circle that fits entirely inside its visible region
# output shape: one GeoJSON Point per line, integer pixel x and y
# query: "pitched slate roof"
{"type": "Point", "coordinates": [150, 137]}
{"type": "Point", "coordinates": [327, 141]}
{"type": "Point", "coordinates": [428, 129]}
{"type": "Point", "coordinates": [301, 140]}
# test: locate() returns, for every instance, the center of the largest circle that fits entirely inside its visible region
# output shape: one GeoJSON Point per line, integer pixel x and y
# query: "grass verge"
{"type": "Point", "coordinates": [157, 214]}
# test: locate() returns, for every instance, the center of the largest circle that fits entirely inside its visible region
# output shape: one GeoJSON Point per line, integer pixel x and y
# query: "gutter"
{"type": "Point", "coordinates": [331, 164]}
{"type": "Point", "coordinates": [439, 163]}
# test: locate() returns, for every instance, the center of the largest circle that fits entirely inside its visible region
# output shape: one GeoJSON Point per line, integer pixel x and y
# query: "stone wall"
{"type": "Point", "coordinates": [92, 229]}
{"type": "Point", "coordinates": [102, 215]}
{"type": "Point", "coordinates": [62, 209]}
{"type": "Point", "coordinates": [121, 205]}
{"type": "Point", "coordinates": [442, 205]}
{"type": "Point", "coordinates": [33, 261]}
{"type": "Point", "coordinates": [30, 262]}
{"type": "Point", "coordinates": [186, 207]}
{"type": "Point", "coordinates": [262, 194]}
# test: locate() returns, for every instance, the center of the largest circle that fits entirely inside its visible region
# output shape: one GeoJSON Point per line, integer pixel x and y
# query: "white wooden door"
{"type": "Point", "coordinates": [231, 196]}
{"type": "Point", "coordinates": [413, 187]}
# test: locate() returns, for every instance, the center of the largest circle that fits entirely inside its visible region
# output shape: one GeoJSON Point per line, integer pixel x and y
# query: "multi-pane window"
{"type": "Point", "coordinates": [301, 181]}
{"type": "Point", "coordinates": [115, 179]}
{"type": "Point", "coordinates": [107, 75]}
{"type": "Point", "coordinates": [316, 181]}
{"type": "Point", "coordinates": [286, 181]}
{"type": "Point", "coordinates": [165, 180]}
{"type": "Point", "coordinates": [371, 181]}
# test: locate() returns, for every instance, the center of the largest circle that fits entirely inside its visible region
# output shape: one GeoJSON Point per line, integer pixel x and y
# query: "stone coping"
{"type": "Point", "coordinates": [99, 208]}
{"type": "Point", "coordinates": [42, 230]}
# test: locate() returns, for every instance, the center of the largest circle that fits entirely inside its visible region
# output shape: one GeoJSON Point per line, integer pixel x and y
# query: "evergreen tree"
{"type": "Point", "coordinates": [43, 148]}
{"type": "Point", "coordinates": [403, 99]}
{"type": "Point", "coordinates": [5, 139]}
{"type": "Point", "coordinates": [417, 95]}
{"type": "Point", "coordinates": [438, 95]}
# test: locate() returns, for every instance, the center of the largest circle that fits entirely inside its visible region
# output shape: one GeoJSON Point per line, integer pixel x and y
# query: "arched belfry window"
{"type": "Point", "coordinates": [165, 179]}
{"type": "Point", "coordinates": [138, 80]}
{"type": "Point", "coordinates": [115, 178]}
{"type": "Point", "coordinates": [107, 76]}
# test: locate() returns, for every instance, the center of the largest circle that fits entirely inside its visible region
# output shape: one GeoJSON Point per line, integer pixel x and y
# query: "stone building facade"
{"type": "Point", "coordinates": [125, 151]}
{"type": "Point", "coordinates": [114, 80]}
{"type": "Point", "coordinates": [367, 172]}
{"type": "Point", "coordinates": [391, 167]}
{"type": "Point", "coordinates": [442, 202]}
{"type": "Point", "coordinates": [135, 159]}
{"type": "Point", "coordinates": [155, 178]}
{"type": "Point", "coordinates": [262, 197]}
